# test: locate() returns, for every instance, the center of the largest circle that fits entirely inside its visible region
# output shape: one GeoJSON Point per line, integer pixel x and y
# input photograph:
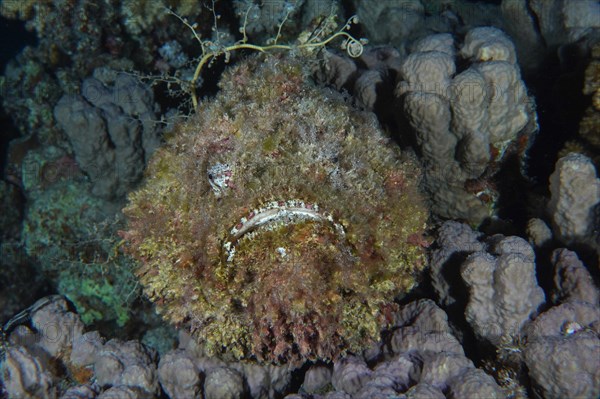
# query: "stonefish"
{"type": "Point", "coordinates": [278, 223]}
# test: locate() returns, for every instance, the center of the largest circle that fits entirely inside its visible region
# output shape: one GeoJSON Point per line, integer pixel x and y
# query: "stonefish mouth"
{"type": "Point", "coordinates": [275, 214]}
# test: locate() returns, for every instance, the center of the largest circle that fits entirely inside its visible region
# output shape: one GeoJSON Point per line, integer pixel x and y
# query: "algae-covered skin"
{"type": "Point", "coordinates": [279, 222]}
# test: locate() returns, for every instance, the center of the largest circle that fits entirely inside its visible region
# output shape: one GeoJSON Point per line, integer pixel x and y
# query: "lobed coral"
{"type": "Point", "coordinates": [563, 351]}
{"type": "Point", "coordinates": [279, 222]}
{"type": "Point", "coordinates": [467, 111]}
{"type": "Point", "coordinates": [558, 349]}
{"type": "Point", "coordinates": [112, 131]}
{"type": "Point", "coordinates": [421, 354]}
{"type": "Point", "coordinates": [503, 290]}
{"type": "Point", "coordinates": [540, 27]}
{"type": "Point", "coordinates": [588, 141]}
{"type": "Point", "coordinates": [366, 77]}
{"type": "Point", "coordinates": [72, 40]}
{"type": "Point", "coordinates": [379, 19]}
{"type": "Point", "coordinates": [56, 358]}
{"type": "Point", "coordinates": [465, 122]}
{"type": "Point", "coordinates": [574, 195]}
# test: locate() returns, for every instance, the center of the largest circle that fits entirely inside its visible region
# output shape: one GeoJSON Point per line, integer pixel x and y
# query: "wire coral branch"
{"type": "Point", "coordinates": [211, 50]}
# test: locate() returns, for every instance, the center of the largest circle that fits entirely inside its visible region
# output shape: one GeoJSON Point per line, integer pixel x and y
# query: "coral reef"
{"type": "Point", "coordinates": [559, 347]}
{"type": "Point", "coordinates": [574, 195]}
{"type": "Point", "coordinates": [418, 355]}
{"type": "Point", "coordinates": [503, 293]}
{"type": "Point", "coordinates": [262, 19]}
{"type": "Point", "coordinates": [464, 122]}
{"type": "Point", "coordinates": [56, 348]}
{"type": "Point", "coordinates": [562, 351]}
{"type": "Point", "coordinates": [503, 290]}
{"type": "Point", "coordinates": [279, 229]}
{"type": "Point", "coordinates": [19, 281]}
{"type": "Point", "coordinates": [420, 18]}
{"type": "Point", "coordinates": [223, 382]}
{"type": "Point", "coordinates": [520, 24]}
{"type": "Point", "coordinates": [588, 140]}
{"type": "Point", "coordinates": [179, 376]}
{"type": "Point", "coordinates": [571, 214]}
{"type": "Point", "coordinates": [540, 27]}
{"type": "Point", "coordinates": [365, 76]}
{"type": "Point", "coordinates": [28, 370]}
{"type": "Point", "coordinates": [428, 353]}
{"type": "Point", "coordinates": [113, 131]}
{"type": "Point", "coordinates": [538, 232]}
{"type": "Point", "coordinates": [128, 363]}
{"type": "Point", "coordinates": [421, 356]}
{"type": "Point", "coordinates": [71, 43]}
{"type": "Point", "coordinates": [68, 236]}
{"type": "Point", "coordinates": [375, 16]}
{"type": "Point", "coordinates": [591, 86]}
{"type": "Point", "coordinates": [564, 21]}
{"type": "Point", "coordinates": [36, 362]}
{"type": "Point", "coordinates": [455, 241]}
{"type": "Point", "coordinates": [317, 379]}
{"type": "Point", "coordinates": [71, 237]}
{"type": "Point", "coordinates": [75, 38]}
{"type": "Point", "coordinates": [243, 196]}
{"type": "Point", "coordinates": [572, 280]}
{"type": "Point", "coordinates": [29, 93]}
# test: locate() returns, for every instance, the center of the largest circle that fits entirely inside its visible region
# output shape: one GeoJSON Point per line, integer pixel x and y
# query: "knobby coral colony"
{"type": "Point", "coordinates": [278, 223]}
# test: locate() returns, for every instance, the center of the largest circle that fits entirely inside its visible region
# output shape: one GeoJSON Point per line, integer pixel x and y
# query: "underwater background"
{"type": "Point", "coordinates": [299, 199]}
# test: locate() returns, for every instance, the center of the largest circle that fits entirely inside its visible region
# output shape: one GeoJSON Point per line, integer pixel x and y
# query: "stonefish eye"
{"type": "Point", "coordinates": [219, 176]}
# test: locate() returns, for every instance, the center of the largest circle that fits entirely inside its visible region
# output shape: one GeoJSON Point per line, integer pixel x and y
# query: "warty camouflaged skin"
{"type": "Point", "coordinates": [278, 223]}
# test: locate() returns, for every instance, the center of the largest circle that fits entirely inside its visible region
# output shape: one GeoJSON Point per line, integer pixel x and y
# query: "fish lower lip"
{"type": "Point", "coordinates": [274, 213]}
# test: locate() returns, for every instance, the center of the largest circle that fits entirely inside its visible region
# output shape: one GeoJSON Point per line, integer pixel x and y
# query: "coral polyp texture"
{"type": "Point", "coordinates": [278, 223]}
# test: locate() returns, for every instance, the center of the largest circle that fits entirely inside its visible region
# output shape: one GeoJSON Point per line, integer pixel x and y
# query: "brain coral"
{"type": "Point", "coordinates": [278, 223]}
